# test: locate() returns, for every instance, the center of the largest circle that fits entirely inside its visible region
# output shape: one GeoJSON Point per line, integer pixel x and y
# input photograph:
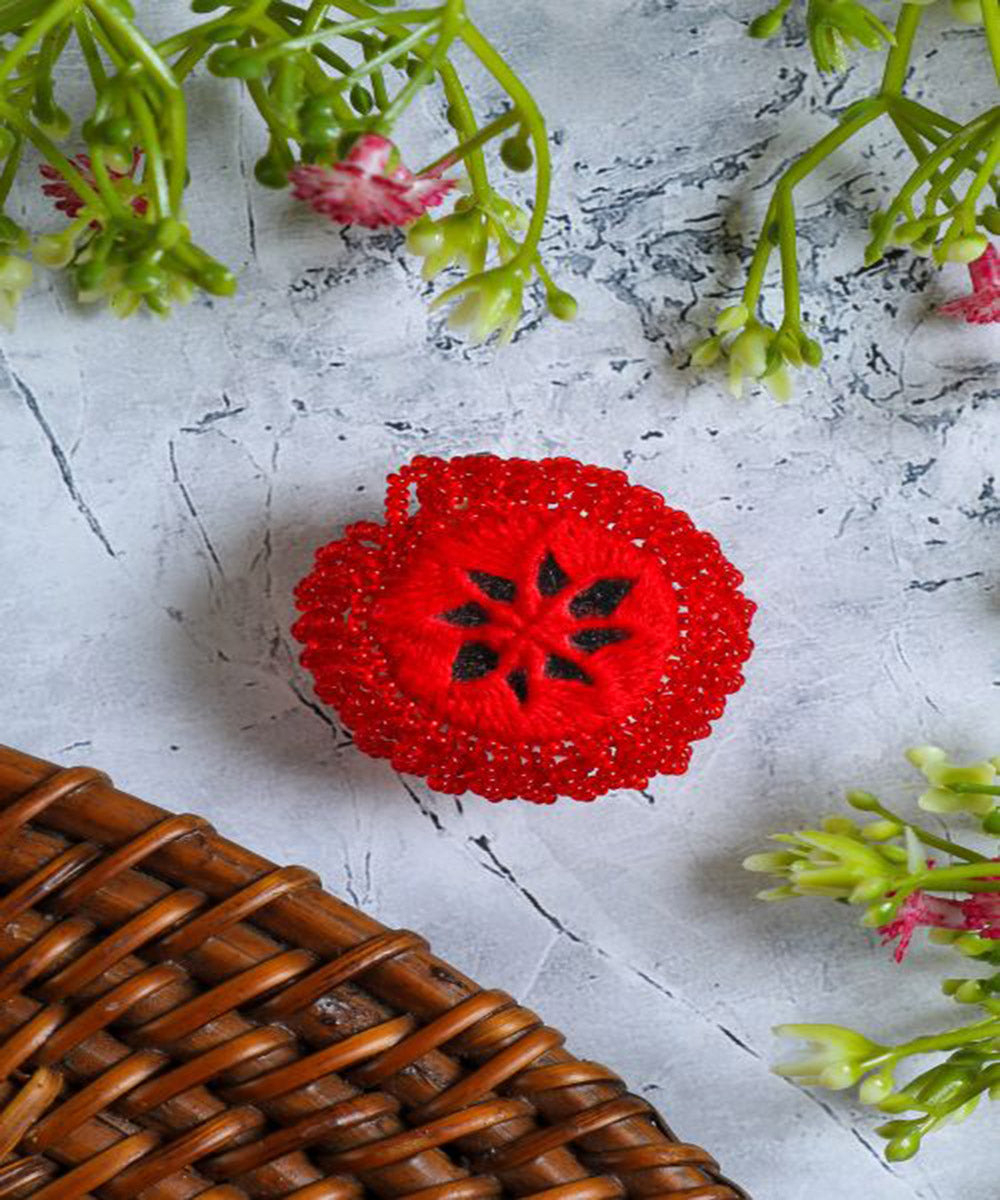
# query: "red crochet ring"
{"type": "Point", "coordinates": [531, 629]}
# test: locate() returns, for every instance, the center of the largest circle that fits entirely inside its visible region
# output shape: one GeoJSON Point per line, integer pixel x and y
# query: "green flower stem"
{"type": "Point", "coordinates": [928, 838]}
{"type": "Point", "coordinates": [18, 13]}
{"type": "Point", "coordinates": [925, 119]}
{"type": "Point", "coordinates": [966, 160]}
{"type": "Point", "coordinates": [379, 89]}
{"type": "Point", "coordinates": [399, 50]}
{"type": "Point", "coordinates": [162, 196]}
{"type": "Point", "coordinates": [789, 259]}
{"type": "Point", "coordinates": [466, 147]}
{"type": "Point", "coordinates": [760, 260]}
{"type": "Point", "coordinates": [982, 178]}
{"type": "Point", "coordinates": [50, 18]}
{"type": "Point", "coordinates": [805, 164]}
{"type": "Point", "coordinates": [181, 42]}
{"type": "Point", "coordinates": [991, 20]}
{"type": "Point", "coordinates": [44, 144]}
{"type": "Point", "coordinates": [276, 27]}
{"type": "Point", "coordinates": [465, 124]}
{"type": "Point", "coordinates": [899, 55]}
{"type": "Point", "coordinates": [982, 789]}
{"type": "Point", "coordinates": [279, 132]}
{"type": "Point", "coordinates": [965, 1035]}
{"type": "Point", "coordinates": [965, 878]}
{"type": "Point", "coordinates": [169, 196]}
{"type": "Point", "coordinates": [534, 123]}
{"type": "Point", "coordinates": [926, 169]}
{"type": "Point", "coordinates": [914, 140]}
{"type": "Point", "coordinates": [88, 46]}
{"type": "Point", "coordinates": [449, 28]}
{"type": "Point", "coordinates": [424, 16]}
{"type": "Point", "coordinates": [10, 167]}
{"type": "Point", "coordinates": [112, 200]}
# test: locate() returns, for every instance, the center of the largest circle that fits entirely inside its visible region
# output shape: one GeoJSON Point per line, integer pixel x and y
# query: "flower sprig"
{"type": "Point", "coordinates": [891, 866]}
{"type": "Point", "coordinates": [947, 208]}
{"type": "Point", "coordinates": [331, 81]}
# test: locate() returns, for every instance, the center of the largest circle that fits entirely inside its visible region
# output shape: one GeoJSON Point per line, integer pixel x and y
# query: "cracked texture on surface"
{"type": "Point", "coordinates": [166, 484]}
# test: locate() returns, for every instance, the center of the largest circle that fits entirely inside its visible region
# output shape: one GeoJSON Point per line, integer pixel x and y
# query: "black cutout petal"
{"type": "Point", "coordinates": [467, 615]}
{"type": "Point", "coordinates": [494, 586]}
{"type": "Point", "coordinates": [517, 681]}
{"type": "Point", "coordinates": [592, 640]}
{"type": "Point", "coordinates": [474, 661]}
{"type": "Point", "coordinates": [601, 598]}
{"type": "Point", "coordinates": [564, 668]}
{"type": "Point", "coordinates": [551, 577]}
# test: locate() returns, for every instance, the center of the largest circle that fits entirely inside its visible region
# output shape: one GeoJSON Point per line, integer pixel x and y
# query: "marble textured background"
{"type": "Point", "coordinates": [164, 485]}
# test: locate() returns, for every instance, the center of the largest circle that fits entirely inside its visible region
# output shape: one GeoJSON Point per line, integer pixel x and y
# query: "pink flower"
{"type": "Point", "coordinates": [982, 914]}
{"type": "Point", "coordinates": [68, 202]}
{"type": "Point", "coordinates": [920, 909]}
{"type": "Point", "coordinates": [363, 190]}
{"type": "Point", "coordinates": [983, 306]}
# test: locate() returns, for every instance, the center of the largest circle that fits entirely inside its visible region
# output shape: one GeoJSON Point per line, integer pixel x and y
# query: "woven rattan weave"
{"type": "Point", "coordinates": [181, 1018]}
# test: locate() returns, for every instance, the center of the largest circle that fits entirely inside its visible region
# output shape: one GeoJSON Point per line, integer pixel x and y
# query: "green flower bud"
{"type": "Point", "coordinates": [562, 305]}
{"type": "Point", "coordinates": [876, 1087]}
{"type": "Point", "coordinates": [767, 24]}
{"type": "Point", "coordinates": [232, 62]}
{"type": "Point", "coordinates": [216, 279]}
{"type": "Point", "coordinates": [989, 218]}
{"type": "Point", "coordinates": [881, 831]}
{"type": "Point", "coordinates": [425, 237]}
{"type": "Point", "coordinates": [54, 250]}
{"type": "Point", "coordinates": [966, 249]}
{"type": "Point", "coordinates": [56, 124]}
{"type": "Point", "coordinates": [881, 913]}
{"type": "Point", "coordinates": [970, 991]}
{"type": "Point", "coordinates": [864, 801]}
{"type": "Point", "coordinates": [11, 234]}
{"type": "Point", "coordinates": [144, 276]}
{"type": "Point", "coordinates": [270, 172]}
{"type": "Point", "coordinates": [124, 303]}
{"type": "Point", "coordinates": [361, 99]}
{"type": "Point", "coordinates": [15, 273]}
{"type": "Point", "coordinates": [771, 862]}
{"type": "Point", "coordinates": [517, 154]}
{"type": "Point", "coordinates": [90, 275]}
{"type": "Point", "coordinates": [319, 106]}
{"type": "Point", "coordinates": [706, 354]}
{"type": "Point", "coordinates": [732, 318]}
{"type": "Point", "coordinates": [116, 131]}
{"type": "Point", "coordinates": [840, 1075]}
{"type": "Point", "coordinates": [842, 825]}
{"type": "Point", "coordinates": [749, 351]}
{"type": "Point", "coordinates": [991, 822]}
{"type": "Point", "coordinates": [903, 1147]}
{"type": "Point", "coordinates": [968, 11]}
{"type": "Point", "coordinates": [320, 131]}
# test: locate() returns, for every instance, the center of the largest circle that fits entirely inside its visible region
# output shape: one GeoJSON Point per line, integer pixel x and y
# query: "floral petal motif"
{"type": "Point", "coordinates": [362, 189]}
{"type": "Point", "coordinates": [983, 306]}
{"type": "Point", "coordinates": [528, 629]}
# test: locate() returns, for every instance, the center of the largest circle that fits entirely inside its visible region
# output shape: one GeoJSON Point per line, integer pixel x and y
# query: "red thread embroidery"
{"type": "Point", "coordinates": [532, 629]}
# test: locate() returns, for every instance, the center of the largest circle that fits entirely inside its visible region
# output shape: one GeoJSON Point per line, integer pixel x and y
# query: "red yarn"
{"type": "Point", "coordinates": [532, 629]}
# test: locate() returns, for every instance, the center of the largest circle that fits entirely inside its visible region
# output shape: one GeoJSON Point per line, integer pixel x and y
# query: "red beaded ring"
{"type": "Point", "coordinates": [526, 629]}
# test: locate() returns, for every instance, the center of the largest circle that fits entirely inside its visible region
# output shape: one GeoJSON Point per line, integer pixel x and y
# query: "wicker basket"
{"type": "Point", "coordinates": [180, 1018]}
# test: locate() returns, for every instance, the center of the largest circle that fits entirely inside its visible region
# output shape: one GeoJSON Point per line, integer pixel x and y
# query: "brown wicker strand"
{"type": "Point", "coordinates": [180, 1018]}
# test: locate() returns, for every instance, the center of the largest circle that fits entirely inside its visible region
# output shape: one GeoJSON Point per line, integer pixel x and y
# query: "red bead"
{"type": "Point", "coordinates": [525, 629]}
